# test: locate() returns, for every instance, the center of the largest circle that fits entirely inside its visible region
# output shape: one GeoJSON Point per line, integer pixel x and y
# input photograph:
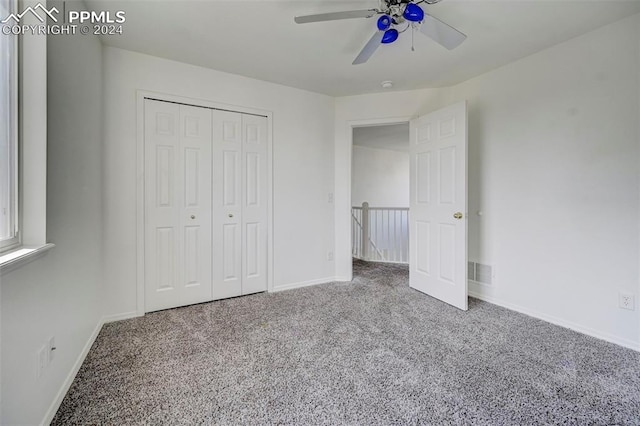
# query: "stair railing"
{"type": "Point", "coordinates": [380, 234]}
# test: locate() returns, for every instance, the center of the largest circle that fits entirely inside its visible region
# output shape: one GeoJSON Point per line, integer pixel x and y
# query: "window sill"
{"type": "Point", "coordinates": [21, 256]}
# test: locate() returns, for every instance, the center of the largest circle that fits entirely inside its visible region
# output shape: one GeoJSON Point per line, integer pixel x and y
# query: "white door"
{"type": "Point", "coordinates": [254, 204]}
{"type": "Point", "coordinates": [438, 204]}
{"type": "Point", "coordinates": [239, 204]}
{"type": "Point", "coordinates": [227, 204]}
{"type": "Point", "coordinates": [177, 266]}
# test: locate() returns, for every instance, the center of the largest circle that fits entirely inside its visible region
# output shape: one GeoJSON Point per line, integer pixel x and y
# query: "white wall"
{"type": "Point", "coordinates": [553, 148]}
{"type": "Point", "coordinates": [58, 295]}
{"type": "Point", "coordinates": [302, 165]}
{"type": "Point", "coordinates": [380, 177]}
{"type": "Point", "coordinates": [554, 167]}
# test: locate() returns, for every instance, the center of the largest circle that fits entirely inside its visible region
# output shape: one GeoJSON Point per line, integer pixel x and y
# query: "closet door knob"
{"type": "Point", "coordinates": [230, 215]}
{"type": "Point", "coordinates": [193, 216]}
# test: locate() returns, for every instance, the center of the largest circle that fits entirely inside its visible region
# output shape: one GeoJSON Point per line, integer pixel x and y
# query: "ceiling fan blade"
{"type": "Point", "coordinates": [441, 33]}
{"type": "Point", "coordinates": [369, 49]}
{"type": "Point", "coordinates": [349, 14]}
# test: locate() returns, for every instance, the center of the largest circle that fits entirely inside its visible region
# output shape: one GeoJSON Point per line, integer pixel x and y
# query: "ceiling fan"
{"type": "Point", "coordinates": [396, 16]}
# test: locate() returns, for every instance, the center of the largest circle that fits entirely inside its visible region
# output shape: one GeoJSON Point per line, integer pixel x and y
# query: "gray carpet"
{"type": "Point", "coordinates": [370, 352]}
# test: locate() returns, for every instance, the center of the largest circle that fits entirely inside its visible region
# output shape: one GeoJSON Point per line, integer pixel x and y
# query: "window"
{"type": "Point", "coordinates": [9, 234]}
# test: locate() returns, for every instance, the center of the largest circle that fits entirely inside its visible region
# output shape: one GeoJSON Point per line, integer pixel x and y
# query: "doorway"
{"type": "Point", "coordinates": [380, 193]}
{"type": "Point", "coordinates": [438, 202]}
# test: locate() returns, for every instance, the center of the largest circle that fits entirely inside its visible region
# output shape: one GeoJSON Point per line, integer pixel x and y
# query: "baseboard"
{"type": "Point", "coordinates": [51, 412]}
{"type": "Point", "coordinates": [559, 321]}
{"type": "Point", "coordinates": [303, 284]}
{"type": "Point", "coordinates": [53, 408]}
{"type": "Point", "coordinates": [383, 261]}
{"type": "Point", "coordinates": [119, 317]}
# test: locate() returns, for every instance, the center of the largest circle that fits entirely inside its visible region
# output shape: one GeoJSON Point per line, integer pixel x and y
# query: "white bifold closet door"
{"type": "Point", "coordinates": [205, 204]}
{"type": "Point", "coordinates": [239, 204]}
{"type": "Point", "coordinates": [177, 205]}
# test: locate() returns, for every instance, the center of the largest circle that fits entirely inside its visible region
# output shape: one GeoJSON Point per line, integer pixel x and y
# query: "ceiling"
{"type": "Point", "coordinates": [394, 137]}
{"type": "Point", "coordinates": [259, 39]}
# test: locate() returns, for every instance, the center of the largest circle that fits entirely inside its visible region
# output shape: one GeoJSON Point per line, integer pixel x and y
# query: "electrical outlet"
{"type": "Point", "coordinates": [52, 348]}
{"type": "Point", "coordinates": [626, 301]}
{"type": "Point", "coordinates": [329, 255]}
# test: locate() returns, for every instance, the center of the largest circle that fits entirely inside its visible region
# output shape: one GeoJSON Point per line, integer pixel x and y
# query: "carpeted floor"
{"type": "Point", "coordinates": [369, 352]}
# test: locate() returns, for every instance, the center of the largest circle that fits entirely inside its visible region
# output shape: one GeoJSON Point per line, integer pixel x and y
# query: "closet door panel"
{"type": "Point", "coordinates": [161, 129]}
{"type": "Point", "coordinates": [254, 204]}
{"type": "Point", "coordinates": [195, 198]}
{"type": "Point", "coordinates": [177, 205]}
{"type": "Point", "coordinates": [227, 204]}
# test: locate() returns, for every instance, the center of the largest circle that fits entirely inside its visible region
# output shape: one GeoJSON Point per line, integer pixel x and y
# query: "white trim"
{"type": "Point", "coordinates": [33, 139]}
{"type": "Point", "coordinates": [53, 408]}
{"type": "Point", "coordinates": [304, 284]}
{"type": "Point", "coordinates": [119, 317]}
{"type": "Point", "coordinates": [55, 405]}
{"type": "Point", "coordinates": [343, 279]}
{"type": "Point", "coordinates": [21, 256]}
{"type": "Point", "coordinates": [638, 236]}
{"type": "Point", "coordinates": [385, 121]}
{"type": "Point", "coordinates": [270, 211]}
{"type": "Point", "coordinates": [32, 166]}
{"type": "Point", "coordinates": [383, 261]}
{"type": "Point", "coordinates": [13, 187]}
{"type": "Point", "coordinates": [141, 95]}
{"type": "Point", "coordinates": [140, 204]}
{"type": "Point", "coordinates": [347, 185]}
{"type": "Point", "coordinates": [478, 283]}
{"type": "Point", "coordinates": [558, 321]}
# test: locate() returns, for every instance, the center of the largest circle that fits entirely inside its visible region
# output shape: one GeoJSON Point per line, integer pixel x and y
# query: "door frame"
{"type": "Point", "coordinates": [371, 122]}
{"type": "Point", "coordinates": [141, 95]}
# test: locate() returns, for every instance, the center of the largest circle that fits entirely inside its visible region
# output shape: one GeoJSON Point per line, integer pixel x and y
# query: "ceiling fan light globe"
{"type": "Point", "coordinates": [384, 22]}
{"type": "Point", "coordinates": [390, 36]}
{"type": "Point", "coordinates": [413, 12]}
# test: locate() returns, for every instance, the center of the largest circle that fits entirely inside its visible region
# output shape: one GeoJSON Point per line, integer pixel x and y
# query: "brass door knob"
{"type": "Point", "coordinates": [457, 215]}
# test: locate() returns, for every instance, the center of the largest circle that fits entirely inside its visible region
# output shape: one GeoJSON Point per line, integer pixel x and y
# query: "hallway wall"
{"type": "Point", "coordinates": [380, 177]}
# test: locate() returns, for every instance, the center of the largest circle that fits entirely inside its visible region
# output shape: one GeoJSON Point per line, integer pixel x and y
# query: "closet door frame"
{"type": "Point", "coordinates": [141, 95]}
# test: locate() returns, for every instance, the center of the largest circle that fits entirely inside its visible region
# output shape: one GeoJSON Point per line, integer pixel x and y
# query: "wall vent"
{"type": "Point", "coordinates": [480, 273]}
{"type": "Point", "coordinates": [471, 271]}
{"type": "Point", "coordinates": [484, 273]}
